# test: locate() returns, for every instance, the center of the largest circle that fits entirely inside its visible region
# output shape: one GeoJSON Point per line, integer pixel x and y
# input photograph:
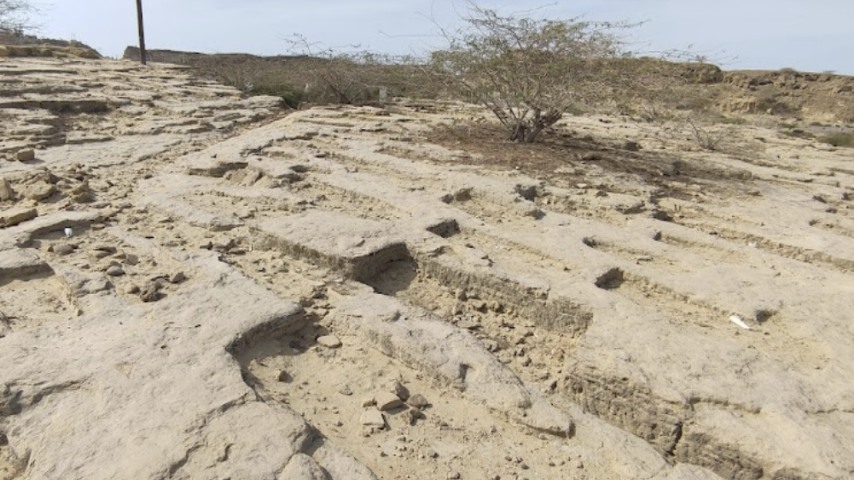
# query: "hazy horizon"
{"type": "Point", "coordinates": [737, 35]}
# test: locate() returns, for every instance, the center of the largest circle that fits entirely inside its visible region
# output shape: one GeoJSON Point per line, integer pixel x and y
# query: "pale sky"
{"type": "Point", "coordinates": [809, 35]}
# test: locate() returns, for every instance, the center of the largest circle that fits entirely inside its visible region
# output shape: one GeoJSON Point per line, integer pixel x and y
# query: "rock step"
{"type": "Point", "coordinates": [357, 248]}
{"type": "Point", "coordinates": [449, 354]}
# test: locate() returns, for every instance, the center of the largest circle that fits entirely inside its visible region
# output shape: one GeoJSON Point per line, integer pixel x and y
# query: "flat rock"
{"type": "Point", "coordinates": [15, 216]}
{"type": "Point", "coordinates": [357, 247]}
{"type": "Point", "coordinates": [372, 418]}
{"type": "Point", "coordinates": [188, 376]}
{"type": "Point", "coordinates": [388, 401]}
{"type": "Point", "coordinates": [20, 263]}
{"type": "Point", "coordinates": [329, 341]}
{"type": "Point", "coordinates": [56, 222]}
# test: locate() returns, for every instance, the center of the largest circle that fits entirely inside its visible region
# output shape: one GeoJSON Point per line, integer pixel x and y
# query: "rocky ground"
{"type": "Point", "coordinates": [197, 285]}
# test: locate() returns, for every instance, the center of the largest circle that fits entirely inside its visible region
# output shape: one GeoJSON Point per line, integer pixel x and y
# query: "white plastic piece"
{"type": "Point", "coordinates": [738, 321]}
{"type": "Point", "coordinates": [69, 232]}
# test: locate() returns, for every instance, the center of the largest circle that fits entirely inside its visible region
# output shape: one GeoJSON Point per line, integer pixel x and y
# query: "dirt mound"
{"type": "Point", "coordinates": [194, 284]}
{"type": "Point", "coordinates": [20, 45]}
{"type": "Point", "coordinates": [819, 96]}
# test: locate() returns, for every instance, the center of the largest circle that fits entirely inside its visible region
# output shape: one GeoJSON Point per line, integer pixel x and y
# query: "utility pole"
{"type": "Point", "coordinates": [142, 54]}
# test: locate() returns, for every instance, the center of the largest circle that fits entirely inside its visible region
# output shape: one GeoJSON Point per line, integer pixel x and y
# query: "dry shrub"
{"type": "Point", "coordinates": [529, 72]}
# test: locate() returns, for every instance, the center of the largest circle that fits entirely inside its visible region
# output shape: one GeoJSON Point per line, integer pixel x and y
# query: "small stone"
{"type": "Point", "coordinates": [372, 418]}
{"type": "Point", "coordinates": [178, 278]}
{"type": "Point", "coordinates": [454, 475]}
{"type": "Point", "coordinates": [27, 155]}
{"type": "Point", "coordinates": [631, 146]}
{"type": "Point", "coordinates": [369, 402]}
{"type": "Point", "coordinates": [388, 401]}
{"type": "Point", "coordinates": [109, 249]}
{"type": "Point", "coordinates": [64, 249]}
{"type": "Point", "coordinates": [115, 271]}
{"type": "Point", "coordinates": [16, 216]}
{"type": "Point", "coordinates": [329, 341]}
{"type": "Point", "coordinates": [151, 292]}
{"type": "Point", "coordinates": [132, 290]}
{"type": "Point", "coordinates": [661, 215]}
{"type": "Point", "coordinates": [418, 401]}
{"type": "Point", "coordinates": [285, 377]}
{"type": "Point", "coordinates": [131, 259]}
{"type": "Point", "coordinates": [398, 389]}
{"type": "Point", "coordinates": [345, 390]}
{"type": "Point", "coordinates": [415, 414]}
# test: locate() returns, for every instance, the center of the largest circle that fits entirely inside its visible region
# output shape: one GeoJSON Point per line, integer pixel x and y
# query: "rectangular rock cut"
{"type": "Point", "coordinates": [357, 247]}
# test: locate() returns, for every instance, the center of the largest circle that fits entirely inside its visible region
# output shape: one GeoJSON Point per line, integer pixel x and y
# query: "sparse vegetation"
{"type": "Point", "coordinates": [300, 78]}
{"type": "Point", "coordinates": [733, 120]}
{"type": "Point", "coordinates": [798, 133]}
{"type": "Point", "coordinates": [355, 77]}
{"type": "Point", "coordinates": [839, 140]}
{"type": "Point", "coordinates": [706, 135]}
{"type": "Point", "coordinates": [529, 72]}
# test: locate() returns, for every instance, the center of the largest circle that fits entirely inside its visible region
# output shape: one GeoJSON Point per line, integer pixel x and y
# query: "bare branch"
{"type": "Point", "coordinates": [14, 15]}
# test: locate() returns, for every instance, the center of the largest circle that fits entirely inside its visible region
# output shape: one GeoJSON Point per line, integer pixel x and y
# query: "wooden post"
{"type": "Point", "coordinates": [142, 53]}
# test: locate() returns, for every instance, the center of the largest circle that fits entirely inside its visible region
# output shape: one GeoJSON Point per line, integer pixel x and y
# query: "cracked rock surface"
{"type": "Point", "coordinates": [198, 285]}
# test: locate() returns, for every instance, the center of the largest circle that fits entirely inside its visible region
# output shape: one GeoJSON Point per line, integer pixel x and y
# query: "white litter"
{"type": "Point", "coordinates": [738, 321]}
{"type": "Point", "coordinates": [69, 232]}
